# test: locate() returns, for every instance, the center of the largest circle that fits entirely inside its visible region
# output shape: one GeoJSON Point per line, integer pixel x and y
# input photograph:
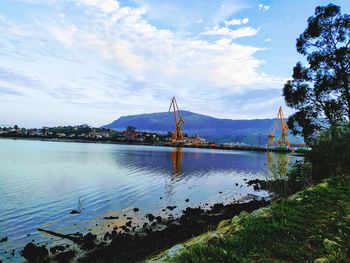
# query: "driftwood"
{"type": "Point", "coordinates": [72, 237]}
{"type": "Point", "coordinates": [86, 242]}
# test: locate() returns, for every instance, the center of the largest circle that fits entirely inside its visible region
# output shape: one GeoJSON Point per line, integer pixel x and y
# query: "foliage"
{"type": "Point", "coordinates": [320, 91]}
{"type": "Point", "coordinates": [311, 226]}
{"type": "Point", "coordinates": [330, 153]}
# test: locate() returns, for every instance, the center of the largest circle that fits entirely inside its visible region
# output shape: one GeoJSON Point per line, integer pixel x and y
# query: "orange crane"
{"type": "Point", "coordinates": [177, 135]}
{"type": "Point", "coordinates": [280, 121]}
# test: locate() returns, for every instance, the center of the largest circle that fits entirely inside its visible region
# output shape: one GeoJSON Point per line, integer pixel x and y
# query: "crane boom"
{"type": "Point", "coordinates": [283, 140]}
{"type": "Point", "coordinates": [177, 135]}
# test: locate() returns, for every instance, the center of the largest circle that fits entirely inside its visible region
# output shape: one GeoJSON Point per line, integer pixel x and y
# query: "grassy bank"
{"type": "Point", "coordinates": [311, 226]}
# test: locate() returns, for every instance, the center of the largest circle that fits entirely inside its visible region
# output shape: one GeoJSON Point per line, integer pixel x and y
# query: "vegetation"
{"type": "Point", "coordinates": [320, 91]}
{"type": "Point", "coordinates": [311, 226]}
{"type": "Point", "coordinates": [330, 154]}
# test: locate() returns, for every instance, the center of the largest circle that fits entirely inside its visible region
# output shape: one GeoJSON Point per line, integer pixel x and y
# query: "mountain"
{"type": "Point", "coordinates": [210, 128]}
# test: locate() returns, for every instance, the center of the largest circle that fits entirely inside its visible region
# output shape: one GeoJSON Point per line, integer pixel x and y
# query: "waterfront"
{"type": "Point", "coordinates": [41, 182]}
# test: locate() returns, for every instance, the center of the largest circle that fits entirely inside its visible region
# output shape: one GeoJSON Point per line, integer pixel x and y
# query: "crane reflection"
{"type": "Point", "coordinates": [176, 159]}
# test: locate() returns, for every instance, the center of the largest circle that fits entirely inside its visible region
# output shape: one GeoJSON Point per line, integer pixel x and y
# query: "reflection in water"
{"type": "Point", "coordinates": [277, 179]}
{"type": "Point", "coordinates": [113, 179]}
{"type": "Point", "coordinates": [188, 162]}
{"type": "Point", "coordinates": [278, 164]}
{"type": "Point", "coordinates": [176, 158]}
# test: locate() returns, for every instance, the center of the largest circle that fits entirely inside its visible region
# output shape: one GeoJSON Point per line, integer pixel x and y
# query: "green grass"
{"type": "Point", "coordinates": [314, 224]}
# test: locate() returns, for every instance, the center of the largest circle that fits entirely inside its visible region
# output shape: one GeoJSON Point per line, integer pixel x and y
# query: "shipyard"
{"type": "Point", "coordinates": [174, 131]}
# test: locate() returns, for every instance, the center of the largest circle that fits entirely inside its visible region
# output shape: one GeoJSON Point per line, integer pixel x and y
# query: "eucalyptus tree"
{"type": "Point", "coordinates": [319, 91]}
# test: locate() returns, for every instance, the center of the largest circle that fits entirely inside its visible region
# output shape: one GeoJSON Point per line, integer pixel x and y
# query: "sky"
{"type": "Point", "coordinates": [68, 62]}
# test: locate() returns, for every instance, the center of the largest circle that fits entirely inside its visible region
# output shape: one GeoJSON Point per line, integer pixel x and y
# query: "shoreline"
{"type": "Point", "coordinates": [308, 226]}
{"type": "Point", "coordinates": [125, 244]}
{"type": "Point", "coordinates": [137, 241]}
{"type": "Point", "coordinates": [217, 147]}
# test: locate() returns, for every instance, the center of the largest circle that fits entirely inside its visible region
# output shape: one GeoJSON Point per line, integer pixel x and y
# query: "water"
{"type": "Point", "coordinates": [41, 182]}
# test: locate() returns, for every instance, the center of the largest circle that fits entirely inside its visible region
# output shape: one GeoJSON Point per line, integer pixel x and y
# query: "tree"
{"type": "Point", "coordinates": [320, 91]}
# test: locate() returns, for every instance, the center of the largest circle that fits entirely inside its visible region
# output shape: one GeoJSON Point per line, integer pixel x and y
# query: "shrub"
{"type": "Point", "coordinates": [330, 153]}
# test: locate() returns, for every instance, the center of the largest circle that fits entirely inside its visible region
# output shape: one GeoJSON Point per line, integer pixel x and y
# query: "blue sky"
{"type": "Point", "coordinates": [91, 61]}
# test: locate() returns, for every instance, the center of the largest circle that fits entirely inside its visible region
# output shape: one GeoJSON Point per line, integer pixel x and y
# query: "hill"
{"type": "Point", "coordinates": [210, 128]}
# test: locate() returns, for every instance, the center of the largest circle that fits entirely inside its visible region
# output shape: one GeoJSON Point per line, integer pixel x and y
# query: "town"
{"type": "Point", "coordinates": [86, 133]}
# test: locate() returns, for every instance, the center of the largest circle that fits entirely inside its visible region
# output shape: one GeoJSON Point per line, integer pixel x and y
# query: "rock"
{"type": "Point", "coordinates": [235, 220]}
{"type": "Point", "coordinates": [129, 218]}
{"type": "Point", "coordinates": [57, 249]}
{"type": "Point", "coordinates": [217, 208]}
{"type": "Point", "coordinates": [4, 239]}
{"type": "Point", "coordinates": [171, 208]}
{"type": "Point", "coordinates": [223, 224]}
{"type": "Point", "coordinates": [89, 241]}
{"type": "Point", "coordinates": [107, 236]}
{"type": "Point", "coordinates": [150, 217]}
{"type": "Point", "coordinates": [111, 217]}
{"type": "Point", "coordinates": [34, 253]}
{"type": "Point", "coordinates": [128, 223]}
{"type": "Point", "coordinates": [220, 192]}
{"type": "Point", "coordinates": [175, 250]}
{"type": "Point", "coordinates": [321, 260]}
{"type": "Point", "coordinates": [65, 256]}
{"type": "Point", "coordinates": [187, 200]}
{"type": "Point", "coordinates": [262, 212]}
{"type": "Point", "coordinates": [243, 214]}
{"type": "Point", "coordinates": [136, 209]}
{"type": "Point", "coordinates": [75, 212]}
{"type": "Point", "coordinates": [159, 219]}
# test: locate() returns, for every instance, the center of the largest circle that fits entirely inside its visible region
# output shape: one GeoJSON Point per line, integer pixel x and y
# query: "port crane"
{"type": "Point", "coordinates": [280, 121]}
{"type": "Point", "coordinates": [177, 135]}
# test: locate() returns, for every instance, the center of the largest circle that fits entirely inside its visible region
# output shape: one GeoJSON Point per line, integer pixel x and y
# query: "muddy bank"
{"type": "Point", "coordinates": [126, 244]}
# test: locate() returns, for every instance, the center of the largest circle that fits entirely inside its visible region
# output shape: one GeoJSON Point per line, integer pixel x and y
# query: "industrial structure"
{"type": "Point", "coordinates": [178, 137]}
{"type": "Point", "coordinates": [283, 139]}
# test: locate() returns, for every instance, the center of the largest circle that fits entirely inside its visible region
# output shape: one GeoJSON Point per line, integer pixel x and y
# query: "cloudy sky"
{"type": "Point", "coordinates": [91, 61]}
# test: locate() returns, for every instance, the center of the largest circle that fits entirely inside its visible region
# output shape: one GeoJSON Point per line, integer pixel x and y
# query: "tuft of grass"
{"type": "Point", "coordinates": [313, 225]}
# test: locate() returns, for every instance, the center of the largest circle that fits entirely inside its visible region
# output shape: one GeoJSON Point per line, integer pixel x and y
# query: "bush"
{"type": "Point", "coordinates": [330, 153]}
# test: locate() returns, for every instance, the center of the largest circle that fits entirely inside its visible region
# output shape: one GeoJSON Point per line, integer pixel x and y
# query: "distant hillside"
{"type": "Point", "coordinates": [212, 129]}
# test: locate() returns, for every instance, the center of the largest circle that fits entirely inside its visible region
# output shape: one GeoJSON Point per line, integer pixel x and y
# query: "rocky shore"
{"type": "Point", "coordinates": [130, 242]}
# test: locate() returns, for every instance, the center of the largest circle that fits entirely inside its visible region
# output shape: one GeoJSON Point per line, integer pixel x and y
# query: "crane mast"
{"type": "Point", "coordinates": [280, 121]}
{"type": "Point", "coordinates": [177, 135]}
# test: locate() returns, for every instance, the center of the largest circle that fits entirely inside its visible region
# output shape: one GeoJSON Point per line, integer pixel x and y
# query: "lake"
{"type": "Point", "coordinates": [41, 182]}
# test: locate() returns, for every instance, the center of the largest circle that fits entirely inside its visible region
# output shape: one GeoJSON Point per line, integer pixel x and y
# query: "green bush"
{"type": "Point", "coordinates": [330, 153]}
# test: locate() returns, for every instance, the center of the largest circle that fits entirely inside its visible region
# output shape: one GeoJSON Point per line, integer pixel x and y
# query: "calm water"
{"type": "Point", "coordinates": [41, 182]}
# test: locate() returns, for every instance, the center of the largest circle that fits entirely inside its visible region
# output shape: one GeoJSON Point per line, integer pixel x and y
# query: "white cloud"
{"type": "Point", "coordinates": [238, 33]}
{"type": "Point", "coordinates": [108, 54]}
{"type": "Point", "coordinates": [263, 7]}
{"type": "Point", "coordinates": [236, 22]}
{"type": "Point", "coordinates": [11, 29]}
{"type": "Point", "coordinates": [105, 6]}
{"type": "Point", "coordinates": [267, 39]}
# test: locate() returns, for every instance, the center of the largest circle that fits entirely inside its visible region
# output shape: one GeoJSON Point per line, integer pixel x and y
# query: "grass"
{"type": "Point", "coordinates": [311, 226]}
